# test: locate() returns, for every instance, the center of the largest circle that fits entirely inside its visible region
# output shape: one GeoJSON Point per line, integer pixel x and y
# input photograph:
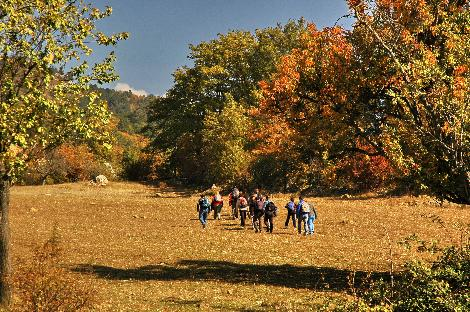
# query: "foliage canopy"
{"type": "Point", "coordinates": [395, 86]}
{"type": "Point", "coordinates": [44, 73]}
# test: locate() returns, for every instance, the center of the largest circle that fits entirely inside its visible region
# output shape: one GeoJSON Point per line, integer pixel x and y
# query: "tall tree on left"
{"type": "Point", "coordinates": [44, 76]}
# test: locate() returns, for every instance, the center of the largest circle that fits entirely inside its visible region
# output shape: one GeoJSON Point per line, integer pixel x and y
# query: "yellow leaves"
{"type": "Point", "coordinates": [49, 59]}
{"type": "Point", "coordinates": [15, 150]}
{"type": "Point", "coordinates": [213, 70]}
{"type": "Point", "coordinates": [43, 35]}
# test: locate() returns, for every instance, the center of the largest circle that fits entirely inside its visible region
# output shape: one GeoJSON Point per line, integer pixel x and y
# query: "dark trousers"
{"type": "Point", "coordinates": [257, 221]}
{"type": "Point", "coordinates": [234, 209]}
{"type": "Point", "coordinates": [242, 217]}
{"type": "Point", "coordinates": [269, 221]}
{"type": "Point", "coordinates": [290, 213]}
{"type": "Point", "coordinates": [217, 210]}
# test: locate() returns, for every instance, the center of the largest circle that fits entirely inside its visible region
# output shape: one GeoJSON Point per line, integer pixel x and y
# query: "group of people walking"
{"type": "Point", "coordinates": [257, 207]}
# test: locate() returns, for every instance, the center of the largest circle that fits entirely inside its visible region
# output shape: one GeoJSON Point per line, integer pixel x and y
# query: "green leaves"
{"type": "Point", "coordinates": [224, 140]}
{"type": "Point", "coordinates": [44, 74]}
{"type": "Point", "coordinates": [226, 69]}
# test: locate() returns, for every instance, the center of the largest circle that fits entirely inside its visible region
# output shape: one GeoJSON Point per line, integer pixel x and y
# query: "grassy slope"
{"type": "Point", "coordinates": [149, 253]}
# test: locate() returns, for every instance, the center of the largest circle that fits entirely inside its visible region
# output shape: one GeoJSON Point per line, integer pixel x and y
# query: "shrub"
{"type": "Point", "coordinates": [66, 163]}
{"type": "Point", "coordinates": [41, 284]}
{"type": "Point", "coordinates": [439, 286]}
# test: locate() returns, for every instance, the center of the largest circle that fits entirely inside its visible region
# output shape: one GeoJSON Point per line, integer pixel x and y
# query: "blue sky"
{"type": "Point", "coordinates": [161, 31]}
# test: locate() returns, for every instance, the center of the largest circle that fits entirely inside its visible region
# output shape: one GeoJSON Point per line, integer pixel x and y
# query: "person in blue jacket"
{"type": "Point", "coordinates": [290, 206]}
{"type": "Point", "coordinates": [203, 207]}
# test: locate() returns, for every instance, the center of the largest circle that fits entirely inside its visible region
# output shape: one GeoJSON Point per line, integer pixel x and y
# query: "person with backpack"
{"type": "Point", "coordinates": [242, 206]}
{"type": "Point", "coordinates": [217, 205]}
{"type": "Point", "coordinates": [258, 213]}
{"type": "Point", "coordinates": [290, 206]}
{"type": "Point", "coordinates": [252, 207]}
{"type": "Point", "coordinates": [203, 207]}
{"type": "Point", "coordinates": [303, 208]}
{"type": "Point", "coordinates": [312, 216]}
{"type": "Point", "coordinates": [270, 211]}
{"type": "Point", "coordinates": [233, 198]}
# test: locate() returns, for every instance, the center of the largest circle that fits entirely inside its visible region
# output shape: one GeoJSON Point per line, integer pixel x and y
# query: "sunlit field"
{"type": "Point", "coordinates": [145, 250]}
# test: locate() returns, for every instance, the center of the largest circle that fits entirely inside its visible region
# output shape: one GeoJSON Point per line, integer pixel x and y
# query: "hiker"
{"type": "Point", "coordinates": [302, 215]}
{"type": "Point", "coordinates": [312, 216]}
{"type": "Point", "coordinates": [242, 206]}
{"type": "Point", "coordinates": [290, 206]}
{"type": "Point", "coordinates": [203, 207]}
{"type": "Point", "coordinates": [258, 213]}
{"type": "Point", "coordinates": [233, 197]}
{"type": "Point", "coordinates": [217, 205]}
{"type": "Point", "coordinates": [270, 211]}
{"type": "Point", "coordinates": [252, 207]}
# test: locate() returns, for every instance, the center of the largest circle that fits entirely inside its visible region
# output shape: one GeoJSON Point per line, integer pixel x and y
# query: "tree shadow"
{"type": "Point", "coordinates": [359, 197]}
{"type": "Point", "coordinates": [310, 277]}
{"type": "Point", "coordinates": [181, 302]}
{"type": "Point", "coordinates": [170, 194]}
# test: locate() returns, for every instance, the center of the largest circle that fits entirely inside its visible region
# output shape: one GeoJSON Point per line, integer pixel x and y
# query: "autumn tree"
{"type": "Point", "coordinates": [309, 110]}
{"type": "Point", "coordinates": [422, 48]}
{"type": "Point", "coordinates": [43, 76]}
{"type": "Point", "coordinates": [395, 86]}
{"type": "Point", "coordinates": [229, 66]}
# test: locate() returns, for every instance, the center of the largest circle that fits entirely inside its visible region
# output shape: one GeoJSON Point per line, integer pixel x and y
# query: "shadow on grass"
{"type": "Point", "coordinates": [178, 301]}
{"type": "Point", "coordinates": [169, 194]}
{"type": "Point", "coordinates": [311, 277]}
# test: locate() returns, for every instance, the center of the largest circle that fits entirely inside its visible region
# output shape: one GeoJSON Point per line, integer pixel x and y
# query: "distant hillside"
{"type": "Point", "coordinates": [128, 107]}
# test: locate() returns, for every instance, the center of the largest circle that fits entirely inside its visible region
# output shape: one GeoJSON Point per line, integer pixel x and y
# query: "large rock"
{"type": "Point", "coordinates": [101, 180]}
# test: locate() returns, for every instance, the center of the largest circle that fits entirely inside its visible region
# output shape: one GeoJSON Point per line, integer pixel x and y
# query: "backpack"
{"type": "Point", "coordinates": [290, 205]}
{"type": "Point", "coordinates": [314, 212]}
{"type": "Point", "coordinates": [271, 207]}
{"type": "Point", "coordinates": [204, 204]}
{"type": "Point", "coordinates": [243, 202]}
{"type": "Point", "coordinates": [305, 208]}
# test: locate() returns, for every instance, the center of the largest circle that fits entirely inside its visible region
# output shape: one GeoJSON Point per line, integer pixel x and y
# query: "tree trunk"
{"type": "Point", "coordinates": [5, 268]}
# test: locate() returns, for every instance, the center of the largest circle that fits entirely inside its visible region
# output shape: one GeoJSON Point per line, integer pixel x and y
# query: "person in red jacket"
{"type": "Point", "coordinates": [217, 205]}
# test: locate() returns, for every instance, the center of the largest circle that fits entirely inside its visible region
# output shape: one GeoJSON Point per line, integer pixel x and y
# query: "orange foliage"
{"type": "Point", "coordinates": [78, 158]}
{"type": "Point", "coordinates": [366, 172]}
{"type": "Point", "coordinates": [275, 135]}
{"type": "Point", "coordinates": [325, 58]}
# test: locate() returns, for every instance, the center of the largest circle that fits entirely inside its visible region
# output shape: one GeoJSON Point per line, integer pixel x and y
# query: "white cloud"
{"type": "Point", "coordinates": [126, 87]}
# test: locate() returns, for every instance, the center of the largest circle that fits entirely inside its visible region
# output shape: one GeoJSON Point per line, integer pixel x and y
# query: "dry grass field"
{"type": "Point", "coordinates": [145, 250]}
